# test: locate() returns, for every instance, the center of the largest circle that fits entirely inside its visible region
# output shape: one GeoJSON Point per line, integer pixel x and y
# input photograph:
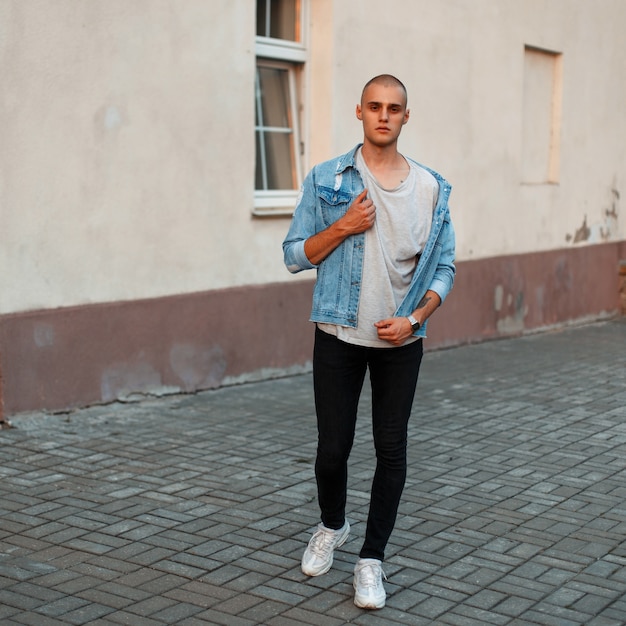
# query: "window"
{"type": "Point", "coordinates": [276, 127]}
{"type": "Point", "coordinates": [278, 19]}
{"type": "Point", "coordinates": [280, 54]}
{"type": "Point", "coordinates": [543, 85]}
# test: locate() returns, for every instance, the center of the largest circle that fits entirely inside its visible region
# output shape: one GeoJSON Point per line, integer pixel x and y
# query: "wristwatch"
{"type": "Point", "coordinates": [415, 325]}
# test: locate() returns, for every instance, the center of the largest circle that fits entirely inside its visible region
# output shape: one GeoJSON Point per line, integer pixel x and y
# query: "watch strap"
{"type": "Point", "coordinates": [415, 325]}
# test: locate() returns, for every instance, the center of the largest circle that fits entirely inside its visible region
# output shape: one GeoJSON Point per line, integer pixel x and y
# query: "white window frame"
{"type": "Point", "coordinates": [277, 198]}
{"type": "Point", "coordinates": [292, 55]}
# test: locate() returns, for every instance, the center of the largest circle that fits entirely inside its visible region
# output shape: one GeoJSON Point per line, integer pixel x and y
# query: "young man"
{"type": "Point", "coordinates": [377, 228]}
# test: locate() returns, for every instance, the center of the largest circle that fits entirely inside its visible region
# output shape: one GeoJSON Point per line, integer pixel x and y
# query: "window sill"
{"type": "Point", "coordinates": [280, 49]}
{"type": "Point", "coordinates": [274, 203]}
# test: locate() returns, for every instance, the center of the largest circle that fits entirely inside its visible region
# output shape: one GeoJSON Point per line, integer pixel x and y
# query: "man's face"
{"type": "Point", "coordinates": [383, 113]}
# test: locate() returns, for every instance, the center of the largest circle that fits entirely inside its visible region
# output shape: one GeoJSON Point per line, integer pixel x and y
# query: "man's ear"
{"type": "Point", "coordinates": [406, 116]}
{"type": "Point", "coordinates": [359, 114]}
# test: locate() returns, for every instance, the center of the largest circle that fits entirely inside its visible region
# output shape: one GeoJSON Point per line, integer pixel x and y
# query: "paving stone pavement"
{"type": "Point", "coordinates": [194, 509]}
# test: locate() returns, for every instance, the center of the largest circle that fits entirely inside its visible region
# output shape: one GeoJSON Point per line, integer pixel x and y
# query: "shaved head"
{"type": "Point", "coordinates": [386, 80]}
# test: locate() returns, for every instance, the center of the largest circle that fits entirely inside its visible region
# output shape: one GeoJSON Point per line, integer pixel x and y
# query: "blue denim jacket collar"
{"type": "Point", "coordinates": [347, 160]}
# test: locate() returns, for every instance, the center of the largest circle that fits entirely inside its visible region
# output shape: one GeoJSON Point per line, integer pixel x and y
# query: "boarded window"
{"type": "Point", "coordinates": [543, 83]}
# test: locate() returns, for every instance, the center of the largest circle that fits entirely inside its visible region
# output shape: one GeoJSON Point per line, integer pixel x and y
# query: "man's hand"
{"type": "Point", "coordinates": [360, 215]}
{"type": "Point", "coordinates": [357, 219]}
{"type": "Point", "coordinates": [395, 330]}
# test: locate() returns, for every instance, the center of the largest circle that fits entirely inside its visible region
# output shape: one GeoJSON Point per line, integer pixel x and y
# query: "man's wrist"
{"type": "Point", "coordinates": [415, 325]}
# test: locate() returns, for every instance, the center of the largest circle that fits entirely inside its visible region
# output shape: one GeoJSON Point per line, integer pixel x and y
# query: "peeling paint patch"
{"type": "Point", "coordinates": [583, 233]}
{"type": "Point", "coordinates": [539, 297]}
{"type": "Point", "coordinates": [43, 335]}
{"type": "Point", "coordinates": [112, 118]}
{"type": "Point", "coordinates": [198, 368]}
{"type": "Point", "coordinates": [514, 322]}
{"type": "Point", "coordinates": [511, 324]}
{"type": "Point", "coordinates": [498, 297]}
{"type": "Point", "coordinates": [109, 119]}
{"type": "Point", "coordinates": [610, 227]}
{"type": "Point", "coordinates": [127, 379]}
{"type": "Point", "coordinates": [563, 279]}
{"type": "Point", "coordinates": [603, 230]}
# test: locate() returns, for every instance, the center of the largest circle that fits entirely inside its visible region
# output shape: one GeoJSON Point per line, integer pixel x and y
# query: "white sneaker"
{"type": "Point", "coordinates": [369, 592]}
{"type": "Point", "coordinates": [318, 556]}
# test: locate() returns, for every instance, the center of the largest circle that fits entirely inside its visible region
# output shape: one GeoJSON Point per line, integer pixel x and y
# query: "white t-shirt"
{"type": "Point", "coordinates": [402, 225]}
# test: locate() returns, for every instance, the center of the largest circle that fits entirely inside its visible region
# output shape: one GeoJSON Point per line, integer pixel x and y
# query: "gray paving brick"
{"type": "Point", "coordinates": [19, 600]}
{"type": "Point", "coordinates": [132, 619]}
{"type": "Point", "coordinates": [87, 614]}
{"type": "Point", "coordinates": [194, 510]}
{"type": "Point", "coordinates": [514, 607]}
{"type": "Point", "coordinates": [125, 591]}
{"type": "Point", "coordinates": [34, 619]}
{"type": "Point", "coordinates": [61, 606]}
{"type": "Point", "coordinates": [151, 605]}
{"type": "Point", "coordinates": [543, 614]}
{"type": "Point", "coordinates": [405, 599]}
{"type": "Point", "coordinates": [180, 569]}
{"type": "Point", "coordinates": [104, 598]}
{"type": "Point", "coordinates": [485, 599]}
{"type": "Point", "coordinates": [434, 606]}
{"type": "Point", "coordinates": [150, 556]}
{"type": "Point", "coordinates": [116, 561]}
{"type": "Point", "coordinates": [7, 611]}
{"type": "Point", "coordinates": [177, 613]}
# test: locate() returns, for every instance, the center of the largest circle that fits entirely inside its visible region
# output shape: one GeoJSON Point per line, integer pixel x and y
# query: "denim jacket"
{"type": "Point", "coordinates": [326, 195]}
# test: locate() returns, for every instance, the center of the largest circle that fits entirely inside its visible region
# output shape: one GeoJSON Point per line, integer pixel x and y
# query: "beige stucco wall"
{"type": "Point", "coordinates": [463, 65]}
{"type": "Point", "coordinates": [127, 152]}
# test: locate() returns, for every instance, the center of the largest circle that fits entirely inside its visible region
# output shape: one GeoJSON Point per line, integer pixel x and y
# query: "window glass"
{"type": "Point", "coordinates": [272, 96]}
{"type": "Point", "coordinates": [277, 19]}
{"type": "Point", "coordinates": [275, 149]}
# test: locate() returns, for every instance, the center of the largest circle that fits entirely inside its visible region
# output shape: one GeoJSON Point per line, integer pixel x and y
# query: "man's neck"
{"type": "Point", "coordinates": [388, 166]}
{"type": "Point", "coordinates": [381, 157]}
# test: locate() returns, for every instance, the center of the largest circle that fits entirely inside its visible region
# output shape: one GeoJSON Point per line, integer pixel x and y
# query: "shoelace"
{"type": "Point", "coordinates": [321, 543]}
{"type": "Point", "coordinates": [369, 575]}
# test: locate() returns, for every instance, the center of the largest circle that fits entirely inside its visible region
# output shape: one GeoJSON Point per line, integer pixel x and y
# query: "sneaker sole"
{"type": "Point", "coordinates": [365, 604]}
{"type": "Point", "coordinates": [341, 541]}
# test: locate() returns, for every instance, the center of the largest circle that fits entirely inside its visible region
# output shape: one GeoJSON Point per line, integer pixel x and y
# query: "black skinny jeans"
{"type": "Point", "coordinates": [338, 374]}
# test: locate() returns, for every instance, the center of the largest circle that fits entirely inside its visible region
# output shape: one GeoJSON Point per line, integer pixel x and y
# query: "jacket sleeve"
{"type": "Point", "coordinates": [443, 278]}
{"type": "Point", "coordinates": [303, 226]}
